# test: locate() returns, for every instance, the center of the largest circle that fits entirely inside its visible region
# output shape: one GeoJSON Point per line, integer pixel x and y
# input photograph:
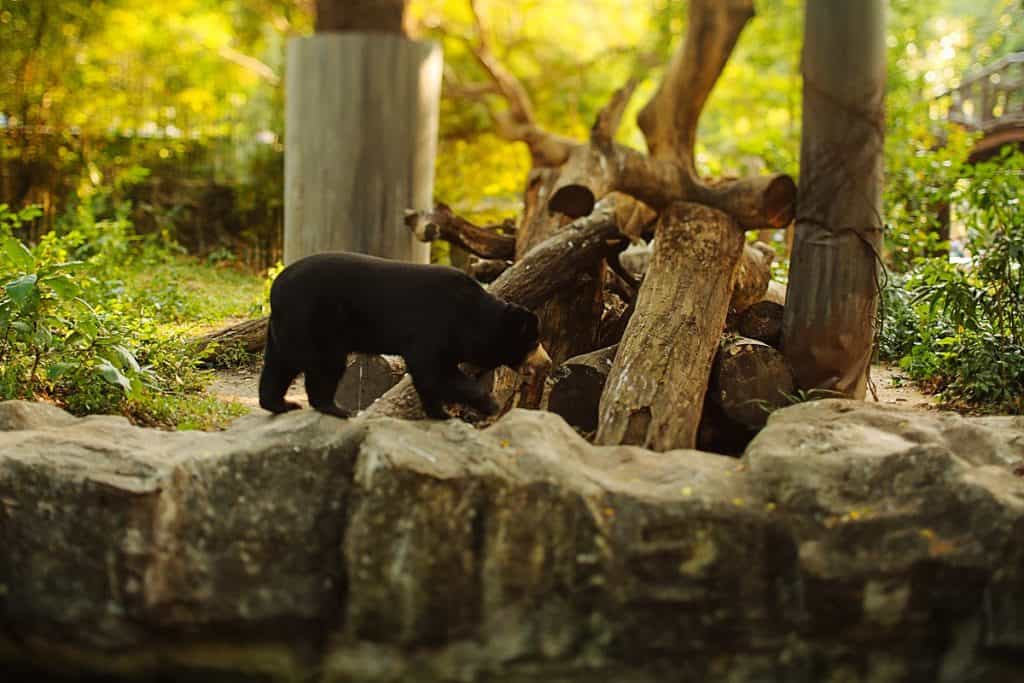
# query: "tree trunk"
{"type": "Point", "coordinates": [576, 393]}
{"type": "Point", "coordinates": [385, 16]}
{"type": "Point", "coordinates": [749, 380]}
{"type": "Point", "coordinates": [657, 383]}
{"type": "Point", "coordinates": [830, 307]}
{"type": "Point", "coordinates": [547, 268]}
{"type": "Point", "coordinates": [362, 113]}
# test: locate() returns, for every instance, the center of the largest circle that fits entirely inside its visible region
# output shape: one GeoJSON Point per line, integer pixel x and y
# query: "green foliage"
{"type": "Point", "coordinates": [70, 332]}
{"type": "Point", "coordinates": [961, 327]}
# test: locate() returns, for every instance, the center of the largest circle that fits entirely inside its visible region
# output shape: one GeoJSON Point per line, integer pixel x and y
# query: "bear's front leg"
{"type": "Point", "coordinates": [427, 378]}
{"type": "Point", "coordinates": [468, 391]}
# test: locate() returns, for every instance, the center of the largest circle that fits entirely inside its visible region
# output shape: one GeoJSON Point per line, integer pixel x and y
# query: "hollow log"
{"type": "Point", "coordinates": [749, 379]}
{"type": "Point", "coordinates": [489, 242]}
{"type": "Point", "coordinates": [217, 347]}
{"type": "Point", "coordinates": [576, 392]}
{"type": "Point", "coordinates": [367, 377]}
{"type": "Point", "coordinates": [763, 322]}
{"type": "Point", "coordinates": [486, 270]}
{"type": "Point", "coordinates": [657, 383]}
{"type": "Point", "coordinates": [547, 268]}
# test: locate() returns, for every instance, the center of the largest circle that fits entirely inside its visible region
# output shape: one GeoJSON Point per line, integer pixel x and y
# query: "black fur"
{"type": "Point", "coordinates": [324, 306]}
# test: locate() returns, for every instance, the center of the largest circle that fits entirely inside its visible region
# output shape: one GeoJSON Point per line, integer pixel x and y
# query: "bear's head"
{"type": "Point", "coordinates": [519, 336]}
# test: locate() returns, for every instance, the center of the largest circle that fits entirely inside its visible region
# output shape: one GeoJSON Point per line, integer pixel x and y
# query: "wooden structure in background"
{"type": "Point", "coordinates": [991, 101]}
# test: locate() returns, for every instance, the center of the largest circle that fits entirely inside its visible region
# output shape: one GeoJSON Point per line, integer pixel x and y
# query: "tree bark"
{"type": "Point", "coordinates": [385, 16]}
{"type": "Point", "coordinates": [576, 394]}
{"type": "Point", "coordinates": [752, 276]}
{"type": "Point", "coordinates": [749, 380]}
{"type": "Point", "coordinates": [570, 320]}
{"type": "Point", "coordinates": [486, 270]}
{"type": "Point", "coordinates": [362, 113]}
{"type": "Point", "coordinates": [832, 297]}
{"type": "Point", "coordinates": [490, 242]}
{"type": "Point", "coordinates": [547, 268]}
{"type": "Point", "coordinates": [658, 380]}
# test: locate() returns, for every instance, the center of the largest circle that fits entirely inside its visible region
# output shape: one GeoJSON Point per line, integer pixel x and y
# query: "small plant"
{"type": "Point", "coordinates": [960, 328]}
{"type": "Point", "coordinates": [69, 331]}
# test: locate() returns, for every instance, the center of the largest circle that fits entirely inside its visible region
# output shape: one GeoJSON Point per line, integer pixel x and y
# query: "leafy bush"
{"type": "Point", "coordinates": [961, 327]}
{"type": "Point", "coordinates": [70, 333]}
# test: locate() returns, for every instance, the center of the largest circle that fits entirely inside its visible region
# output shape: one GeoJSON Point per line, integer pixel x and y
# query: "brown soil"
{"type": "Point", "coordinates": [890, 386]}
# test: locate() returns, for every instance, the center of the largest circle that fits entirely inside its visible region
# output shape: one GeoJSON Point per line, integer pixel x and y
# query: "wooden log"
{"type": "Point", "coordinates": [367, 377]}
{"type": "Point", "coordinates": [763, 322]}
{"type": "Point", "coordinates": [776, 292]}
{"type": "Point", "coordinates": [362, 113]}
{"type": "Point", "coordinates": [657, 383]}
{"type": "Point", "coordinates": [489, 242]}
{"type": "Point", "coordinates": [486, 270]}
{"type": "Point", "coordinates": [571, 317]}
{"type": "Point", "coordinates": [219, 347]}
{"type": "Point", "coordinates": [614, 321]}
{"type": "Point", "coordinates": [547, 268]}
{"type": "Point", "coordinates": [752, 276]}
{"type": "Point", "coordinates": [576, 392]}
{"type": "Point", "coordinates": [749, 380]}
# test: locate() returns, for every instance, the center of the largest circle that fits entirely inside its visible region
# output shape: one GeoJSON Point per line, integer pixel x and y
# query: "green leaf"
{"type": "Point", "coordinates": [59, 369]}
{"type": "Point", "coordinates": [125, 358]}
{"type": "Point", "coordinates": [42, 338]}
{"type": "Point", "coordinates": [18, 253]}
{"type": "Point", "coordinates": [63, 285]}
{"type": "Point", "coordinates": [112, 375]}
{"type": "Point", "coordinates": [21, 289]}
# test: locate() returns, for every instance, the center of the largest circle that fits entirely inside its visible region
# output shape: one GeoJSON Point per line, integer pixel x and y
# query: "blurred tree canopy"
{"type": "Point", "coordinates": [90, 88]}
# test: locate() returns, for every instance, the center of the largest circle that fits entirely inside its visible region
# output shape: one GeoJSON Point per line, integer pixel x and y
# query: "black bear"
{"type": "Point", "coordinates": [324, 306]}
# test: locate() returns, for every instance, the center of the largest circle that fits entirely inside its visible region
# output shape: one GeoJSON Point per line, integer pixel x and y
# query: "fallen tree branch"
{"type": "Point", "coordinates": [442, 223]}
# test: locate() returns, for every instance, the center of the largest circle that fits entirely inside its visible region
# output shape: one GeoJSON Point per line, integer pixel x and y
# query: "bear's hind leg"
{"type": "Point", "coordinates": [275, 378]}
{"type": "Point", "coordinates": [322, 383]}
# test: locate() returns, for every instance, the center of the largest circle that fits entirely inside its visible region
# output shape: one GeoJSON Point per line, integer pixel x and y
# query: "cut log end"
{"type": "Point", "coordinates": [749, 379]}
{"type": "Point", "coordinates": [763, 322]}
{"type": "Point", "coordinates": [780, 201]}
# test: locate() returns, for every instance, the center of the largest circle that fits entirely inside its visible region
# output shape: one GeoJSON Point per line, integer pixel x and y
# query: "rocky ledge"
{"type": "Point", "coordinates": [850, 543]}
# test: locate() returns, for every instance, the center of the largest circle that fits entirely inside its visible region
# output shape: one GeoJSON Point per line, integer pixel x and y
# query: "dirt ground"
{"type": "Point", "coordinates": [890, 385]}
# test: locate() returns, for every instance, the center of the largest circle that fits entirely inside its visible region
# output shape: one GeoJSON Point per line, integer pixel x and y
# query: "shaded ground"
{"type": "Point", "coordinates": [891, 388]}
